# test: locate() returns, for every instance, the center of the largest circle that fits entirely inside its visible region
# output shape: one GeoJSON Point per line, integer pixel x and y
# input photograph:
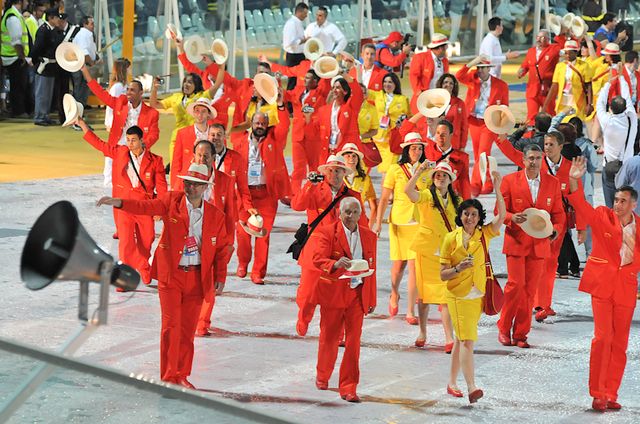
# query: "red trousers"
{"type": "Point", "coordinates": [334, 322]}
{"type": "Point", "coordinates": [548, 278]}
{"type": "Point", "coordinates": [522, 282]}
{"type": "Point", "coordinates": [611, 323]}
{"type": "Point", "coordinates": [136, 234]}
{"type": "Point", "coordinates": [534, 104]}
{"type": "Point", "coordinates": [482, 140]}
{"type": "Point", "coordinates": [306, 157]}
{"type": "Point", "coordinates": [267, 206]}
{"type": "Point", "coordinates": [180, 303]}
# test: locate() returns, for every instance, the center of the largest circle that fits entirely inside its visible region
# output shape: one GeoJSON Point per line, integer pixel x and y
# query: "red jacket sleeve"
{"type": "Point", "coordinates": [153, 207]}
{"type": "Point", "coordinates": [301, 201]}
{"type": "Point", "coordinates": [356, 98]}
{"type": "Point", "coordinates": [320, 242]}
{"type": "Point", "coordinates": [154, 132]}
{"type": "Point", "coordinates": [242, 181]}
{"type": "Point", "coordinates": [464, 76]}
{"type": "Point", "coordinates": [281, 130]}
{"type": "Point", "coordinates": [465, 184]}
{"type": "Point", "coordinates": [102, 94]}
{"type": "Point", "coordinates": [101, 145]}
{"type": "Point", "coordinates": [415, 73]}
{"type": "Point", "coordinates": [192, 68]}
{"type": "Point", "coordinates": [388, 59]}
{"type": "Point", "coordinates": [176, 162]}
{"type": "Point", "coordinates": [513, 154]}
{"type": "Point", "coordinates": [582, 207]}
{"type": "Point", "coordinates": [161, 179]}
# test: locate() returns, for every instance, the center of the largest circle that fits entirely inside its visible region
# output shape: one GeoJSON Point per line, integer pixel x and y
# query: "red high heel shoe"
{"type": "Point", "coordinates": [393, 310]}
{"type": "Point", "coordinates": [448, 348]}
{"type": "Point", "coordinates": [420, 342]}
{"type": "Point", "coordinates": [454, 392]}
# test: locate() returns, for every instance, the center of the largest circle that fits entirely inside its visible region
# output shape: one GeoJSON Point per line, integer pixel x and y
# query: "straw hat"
{"type": "Point", "coordinates": [69, 56]}
{"type": "Point", "coordinates": [267, 87]}
{"type": "Point", "coordinates": [412, 138]}
{"type": "Point", "coordinates": [313, 48]}
{"type": "Point", "coordinates": [146, 80]}
{"type": "Point", "coordinates": [335, 161]}
{"type": "Point", "coordinates": [567, 20]}
{"type": "Point", "coordinates": [485, 62]}
{"type": "Point", "coordinates": [358, 268]}
{"type": "Point", "coordinates": [194, 48]}
{"type": "Point", "coordinates": [202, 101]}
{"type": "Point", "coordinates": [432, 103]}
{"type": "Point", "coordinates": [611, 49]}
{"type": "Point", "coordinates": [172, 32]}
{"type": "Point", "coordinates": [499, 119]}
{"type": "Point", "coordinates": [72, 110]}
{"type": "Point", "coordinates": [326, 67]}
{"type": "Point", "coordinates": [555, 23]}
{"type": "Point", "coordinates": [538, 223]}
{"type": "Point", "coordinates": [438, 40]}
{"type": "Point", "coordinates": [571, 45]}
{"type": "Point", "coordinates": [220, 51]}
{"type": "Point", "coordinates": [351, 148]}
{"type": "Point", "coordinates": [486, 161]}
{"type": "Point", "coordinates": [578, 27]}
{"type": "Point", "coordinates": [197, 174]}
{"type": "Point", "coordinates": [442, 166]}
{"type": "Point", "coordinates": [254, 226]}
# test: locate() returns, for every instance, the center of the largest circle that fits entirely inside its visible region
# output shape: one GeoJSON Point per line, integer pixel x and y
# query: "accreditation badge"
{"type": "Point", "coordinates": [548, 201]}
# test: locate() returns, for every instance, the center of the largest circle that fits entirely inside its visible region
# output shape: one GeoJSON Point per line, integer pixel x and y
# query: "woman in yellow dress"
{"type": "Point", "coordinates": [437, 206]}
{"type": "Point", "coordinates": [359, 181]}
{"type": "Point", "coordinates": [390, 104]}
{"type": "Point", "coordinates": [462, 266]}
{"type": "Point", "coordinates": [403, 221]}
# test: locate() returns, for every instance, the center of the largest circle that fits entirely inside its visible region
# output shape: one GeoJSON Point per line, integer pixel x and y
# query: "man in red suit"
{"type": "Point", "coordinates": [268, 179]}
{"type": "Point", "coordinates": [192, 248]}
{"type": "Point", "coordinates": [344, 296]}
{"type": "Point", "coordinates": [314, 198]}
{"type": "Point", "coordinates": [137, 174]}
{"type": "Point", "coordinates": [539, 63]}
{"type": "Point", "coordinates": [187, 137]}
{"type": "Point", "coordinates": [128, 110]}
{"type": "Point", "coordinates": [483, 90]}
{"type": "Point", "coordinates": [610, 277]}
{"type": "Point", "coordinates": [427, 67]}
{"type": "Point", "coordinates": [528, 188]}
{"type": "Point", "coordinates": [372, 75]}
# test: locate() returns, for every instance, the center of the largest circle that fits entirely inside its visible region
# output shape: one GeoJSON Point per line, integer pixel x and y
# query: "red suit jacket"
{"type": "Point", "coordinates": [316, 99]}
{"type": "Point", "coordinates": [329, 244]}
{"type": "Point", "coordinates": [182, 155]}
{"type": "Point", "coordinates": [299, 71]}
{"type": "Point", "coordinates": [545, 64]}
{"type": "Point", "coordinates": [314, 198]}
{"type": "Point", "coordinates": [603, 276]}
{"type": "Point", "coordinates": [375, 81]}
{"type": "Point", "coordinates": [151, 170]}
{"type": "Point", "coordinates": [459, 162]}
{"type": "Point", "coordinates": [517, 197]}
{"type": "Point", "coordinates": [421, 73]}
{"type": "Point", "coordinates": [615, 86]}
{"type": "Point", "coordinates": [457, 116]}
{"type": "Point", "coordinates": [173, 210]}
{"type": "Point", "coordinates": [234, 165]}
{"type": "Point", "coordinates": [147, 121]}
{"type": "Point", "coordinates": [272, 154]}
{"type": "Point", "coordinates": [499, 94]}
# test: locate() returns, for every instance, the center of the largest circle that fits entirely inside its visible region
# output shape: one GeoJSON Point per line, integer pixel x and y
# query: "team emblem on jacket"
{"type": "Point", "coordinates": [147, 175]}
{"type": "Point", "coordinates": [548, 201]}
{"type": "Point", "coordinates": [213, 241]}
{"type": "Point", "coordinates": [563, 186]}
{"type": "Point", "coordinates": [346, 114]}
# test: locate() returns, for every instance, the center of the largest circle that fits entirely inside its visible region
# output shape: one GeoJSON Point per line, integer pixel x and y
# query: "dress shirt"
{"type": "Point", "coordinates": [438, 70]}
{"type": "Point", "coordinates": [201, 135]}
{"type": "Point", "coordinates": [131, 173]}
{"type": "Point", "coordinates": [332, 38]}
{"type": "Point", "coordinates": [292, 36]}
{"type": "Point", "coordinates": [195, 230]}
{"type": "Point", "coordinates": [355, 247]}
{"type": "Point", "coordinates": [208, 192]}
{"type": "Point", "coordinates": [219, 159]}
{"type": "Point", "coordinates": [628, 242]}
{"type": "Point", "coordinates": [553, 166]}
{"type": "Point", "coordinates": [256, 166]}
{"type": "Point", "coordinates": [534, 187]}
{"type": "Point", "coordinates": [483, 99]}
{"type": "Point", "coordinates": [491, 47]}
{"type": "Point", "coordinates": [335, 129]}
{"type": "Point", "coordinates": [616, 127]}
{"type": "Point", "coordinates": [84, 40]}
{"type": "Point", "coordinates": [634, 84]}
{"type": "Point", "coordinates": [366, 75]}
{"type": "Point", "coordinates": [133, 113]}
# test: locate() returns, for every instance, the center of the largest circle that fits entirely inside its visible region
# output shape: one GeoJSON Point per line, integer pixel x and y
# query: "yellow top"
{"type": "Point", "coordinates": [178, 106]}
{"type": "Point", "coordinates": [368, 118]}
{"type": "Point", "coordinates": [403, 210]}
{"type": "Point", "coordinates": [453, 252]}
{"type": "Point", "coordinates": [599, 76]}
{"type": "Point", "coordinates": [399, 105]}
{"type": "Point", "coordinates": [579, 96]}
{"type": "Point", "coordinates": [364, 186]}
{"type": "Point", "coordinates": [432, 227]}
{"type": "Point", "coordinates": [270, 110]}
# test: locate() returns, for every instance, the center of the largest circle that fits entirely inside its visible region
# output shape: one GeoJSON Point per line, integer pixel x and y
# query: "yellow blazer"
{"type": "Point", "coordinates": [270, 110]}
{"type": "Point", "coordinates": [368, 118]}
{"type": "Point", "coordinates": [599, 77]}
{"type": "Point", "coordinates": [453, 252]}
{"type": "Point", "coordinates": [432, 227]}
{"type": "Point", "coordinates": [403, 210]}
{"type": "Point", "coordinates": [175, 104]}
{"type": "Point", "coordinates": [364, 186]}
{"type": "Point", "coordinates": [399, 106]}
{"type": "Point", "coordinates": [579, 95]}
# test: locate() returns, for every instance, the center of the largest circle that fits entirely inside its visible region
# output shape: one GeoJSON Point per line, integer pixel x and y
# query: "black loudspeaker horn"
{"type": "Point", "coordinates": [59, 248]}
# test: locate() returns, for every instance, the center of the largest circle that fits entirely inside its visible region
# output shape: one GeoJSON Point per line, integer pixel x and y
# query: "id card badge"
{"type": "Point", "coordinates": [384, 122]}
{"type": "Point", "coordinates": [333, 141]}
{"type": "Point", "coordinates": [191, 246]}
{"type": "Point", "coordinates": [255, 169]}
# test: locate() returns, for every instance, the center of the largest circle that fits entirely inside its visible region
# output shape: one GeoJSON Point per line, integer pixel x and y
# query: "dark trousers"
{"type": "Point", "coordinates": [609, 189]}
{"type": "Point", "coordinates": [568, 258]}
{"type": "Point", "coordinates": [20, 91]}
{"type": "Point", "coordinates": [293, 59]}
{"type": "Point", "coordinates": [60, 88]}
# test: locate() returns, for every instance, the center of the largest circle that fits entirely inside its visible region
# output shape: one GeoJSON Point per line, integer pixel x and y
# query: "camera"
{"type": "Point", "coordinates": [307, 109]}
{"type": "Point", "coordinates": [315, 178]}
{"type": "Point", "coordinates": [160, 80]}
{"type": "Point", "coordinates": [406, 39]}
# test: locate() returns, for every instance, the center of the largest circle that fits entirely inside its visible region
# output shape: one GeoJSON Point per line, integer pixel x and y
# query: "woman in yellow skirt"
{"type": "Point", "coordinates": [390, 104]}
{"type": "Point", "coordinates": [359, 181]}
{"type": "Point", "coordinates": [403, 221]}
{"type": "Point", "coordinates": [437, 206]}
{"type": "Point", "coordinates": [462, 266]}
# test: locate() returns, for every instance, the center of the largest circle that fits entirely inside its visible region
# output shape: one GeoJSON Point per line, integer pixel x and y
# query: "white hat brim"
{"type": "Point", "coordinates": [357, 152]}
{"type": "Point", "coordinates": [425, 106]}
{"type": "Point", "coordinates": [69, 65]}
{"type": "Point", "coordinates": [307, 49]}
{"type": "Point", "coordinates": [171, 28]}
{"type": "Point", "coordinates": [194, 179]}
{"type": "Point", "coordinates": [357, 274]}
{"type": "Point", "coordinates": [434, 170]}
{"type": "Point", "coordinates": [212, 111]}
{"type": "Point", "coordinates": [194, 48]}
{"type": "Point", "coordinates": [330, 74]}
{"type": "Point", "coordinates": [415, 141]}
{"type": "Point", "coordinates": [252, 232]}
{"type": "Point", "coordinates": [72, 110]}
{"type": "Point", "coordinates": [348, 170]}
{"type": "Point", "coordinates": [496, 129]}
{"type": "Point", "coordinates": [540, 234]}
{"type": "Point", "coordinates": [260, 82]}
{"type": "Point", "coordinates": [219, 58]}
{"type": "Point", "coordinates": [482, 167]}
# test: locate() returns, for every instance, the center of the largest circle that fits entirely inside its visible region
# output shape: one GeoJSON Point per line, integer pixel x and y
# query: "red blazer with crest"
{"type": "Point", "coordinates": [546, 62]}
{"type": "Point", "coordinates": [234, 165]}
{"type": "Point", "coordinates": [316, 99]}
{"type": "Point", "coordinates": [499, 94]}
{"type": "Point", "coordinates": [182, 155]}
{"type": "Point", "coordinates": [421, 73]}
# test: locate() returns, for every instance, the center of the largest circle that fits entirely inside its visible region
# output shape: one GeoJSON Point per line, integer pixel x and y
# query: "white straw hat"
{"type": "Point", "coordinates": [485, 162]}
{"type": "Point", "coordinates": [72, 110]}
{"type": "Point", "coordinates": [69, 56]}
{"type": "Point", "coordinates": [334, 161]}
{"type": "Point", "coordinates": [351, 148]}
{"type": "Point", "coordinates": [499, 119]}
{"type": "Point", "coordinates": [197, 174]}
{"type": "Point", "coordinates": [267, 87]}
{"type": "Point", "coordinates": [358, 268]}
{"type": "Point", "coordinates": [172, 32]}
{"type": "Point", "coordinates": [412, 138]}
{"type": "Point", "coordinates": [254, 226]}
{"type": "Point", "coordinates": [326, 67]}
{"type": "Point", "coordinates": [313, 48]}
{"type": "Point", "coordinates": [442, 166]}
{"type": "Point", "coordinates": [538, 223]}
{"type": "Point", "coordinates": [220, 51]}
{"type": "Point", "coordinates": [432, 103]}
{"type": "Point", "coordinates": [194, 48]}
{"type": "Point", "coordinates": [202, 101]}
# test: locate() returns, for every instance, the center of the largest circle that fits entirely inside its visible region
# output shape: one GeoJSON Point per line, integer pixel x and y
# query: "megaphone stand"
{"type": "Point", "coordinates": [87, 328]}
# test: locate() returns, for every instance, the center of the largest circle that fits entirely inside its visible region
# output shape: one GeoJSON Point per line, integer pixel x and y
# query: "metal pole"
{"type": "Point", "coordinates": [243, 36]}
{"type": "Point", "coordinates": [233, 25]}
{"type": "Point", "coordinates": [546, 14]}
{"type": "Point", "coordinates": [360, 27]}
{"type": "Point", "coordinates": [369, 18]}
{"type": "Point", "coordinates": [536, 16]}
{"type": "Point", "coordinates": [479, 24]}
{"type": "Point", "coordinates": [604, 6]}
{"type": "Point", "coordinates": [176, 18]}
{"type": "Point", "coordinates": [107, 31]}
{"type": "Point", "coordinates": [421, 12]}
{"type": "Point", "coordinates": [489, 10]}
{"type": "Point", "coordinates": [166, 46]}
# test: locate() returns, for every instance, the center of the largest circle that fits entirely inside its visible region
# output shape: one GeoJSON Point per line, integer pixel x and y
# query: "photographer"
{"type": "Point", "coordinates": [392, 52]}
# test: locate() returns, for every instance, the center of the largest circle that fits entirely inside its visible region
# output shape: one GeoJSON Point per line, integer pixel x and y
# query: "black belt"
{"type": "Point", "coordinates": [258, 187]}
{"type": "Point", "coordinates": [189, 268]}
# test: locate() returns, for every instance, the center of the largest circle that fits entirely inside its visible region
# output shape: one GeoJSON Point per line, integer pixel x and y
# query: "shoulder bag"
{"type": "Point", "coordinates": [493, 295]}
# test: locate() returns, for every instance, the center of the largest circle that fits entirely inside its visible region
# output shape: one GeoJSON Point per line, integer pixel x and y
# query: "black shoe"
{"type": "Point", "coordinates": [167, 169]}
{"type": "Point", "coordinates": [42, 123]}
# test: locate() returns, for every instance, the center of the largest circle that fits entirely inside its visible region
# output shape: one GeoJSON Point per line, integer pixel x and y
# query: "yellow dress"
{"type": "Point", "coordinates": [426, 244]}
{"type": "Point", "coordinates": [177, 103]}
{"type": "Point", "coordinates": [466, 290]}
{"type": "Point", "coordinates": [398, 106]}
{"type": "Point", "coordinates": [403, 222]}
{"type": "Point", "coordinates": [364, 186]}
{"type": "Point", "coordinates": [579, 101]}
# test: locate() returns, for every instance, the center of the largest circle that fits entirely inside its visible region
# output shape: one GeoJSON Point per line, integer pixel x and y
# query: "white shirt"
{"type": "Point", "coordinates": [553, 166]}
{"type": "Point", "coordinates": [534, 187]}
{"type": "Point", "coordinates": [292, 35]}
{"type": "Point", "coordinates": [437, 71]}
{"type": "Point", "coordinates": [616, 127]}
{"type": "Point", "coordinates": [133, 113]}
{"type": "Point", "coordinates": [332, 38]}
{"type": "Point", "coordinates": [131, 173]}
{"type": "Point", "coordinates": [84, 40]}
{"type": "Point", "coordinates": [195, 230]}
{"type": "Point", "coordinates": [628, 242]}
{"type": "Point", "coordinates": [355, 247]}
{"type": "Point", "coordinates": [256, 166]}
{"type": "Point", "coordinates": [634, 84]}
{"type": "Point", "coordinates": [201, 135]}
{"type": "Point", "coordinates": [14, 28]}
{"type": "Point", "coordinates": [483, 99]}
{"type": "Point", "coordinates": [335, 130]}
{"type": "Point", "coordinates": [208, 192]}
{"type": "Point", "coordinates": [366, 75]}
{"type": "Point", "coordinates": [218, 159]}
{"type": "Point", "coordinates": [491, 47]}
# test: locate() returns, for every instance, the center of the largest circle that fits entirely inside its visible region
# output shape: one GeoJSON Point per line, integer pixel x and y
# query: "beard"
{"type": "Point", "coordinates": [259, 132]}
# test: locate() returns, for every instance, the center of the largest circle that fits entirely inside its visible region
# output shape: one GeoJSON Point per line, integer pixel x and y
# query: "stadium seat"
{"type": "Point", "coordinates": [258, 19]}
{"type": "Point", "coordinates": [153, 30]}
{"type": "Point", "coordinates": [196, 21]}
{"type": "Point", "coordinates": [139, 47]}
{"type": "Point", "coordinates": [269, 20]}
{"type": "Point", "coordinates": [185, 23]}
{"type": "Point", "coordinates": [386, 26]}
{"type": "Point", "coordinates": [261, 37]}
{"type": "Point", "coordinates": [406, 27]}
{"type": "Point", "coordinates": [277, 16]}
{"type": "Point", "coordinates": [162, 24]}
{"type": "Point", "coordinates": [396, 25]}
{"type": "Point", "coordinates": [150, 47]}
{"type": "Point", "coordinates": [252, 40]}
{"type": "Point", "coordinates": [248, 16]}
{"type": "Point", "coordinates": [335, 15]}
{"type": "Point", "coordinates": [218, 34]}
{"type": "Point", "coordinates": [376, 26]}
{"type": "Point", "coordinates": [286, 13]}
